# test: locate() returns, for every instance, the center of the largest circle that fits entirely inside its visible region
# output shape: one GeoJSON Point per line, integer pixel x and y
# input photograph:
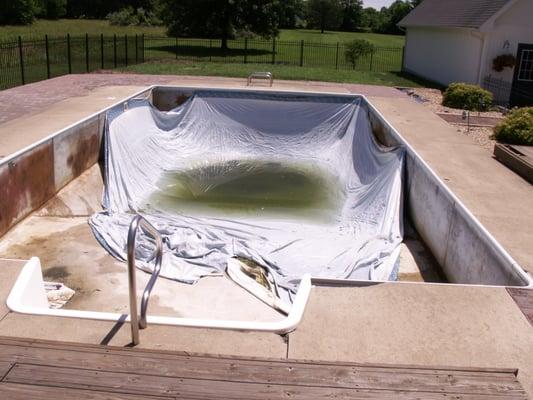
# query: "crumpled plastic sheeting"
{"type": "Point", "coordinates": [333, 134]}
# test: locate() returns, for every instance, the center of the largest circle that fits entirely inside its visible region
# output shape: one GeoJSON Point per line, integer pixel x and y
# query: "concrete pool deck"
{"type": "Point", "coordinates": [389, 323]}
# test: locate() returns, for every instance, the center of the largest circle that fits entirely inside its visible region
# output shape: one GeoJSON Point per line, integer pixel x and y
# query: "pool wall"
{"type": "Point", "coordinates": [466, 251]}
{"type": "Point", "coordinates": [33, 175]}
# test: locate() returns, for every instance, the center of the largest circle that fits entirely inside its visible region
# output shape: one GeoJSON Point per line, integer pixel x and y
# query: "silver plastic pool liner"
{"type": "Point", "coordinates": [226, 130]}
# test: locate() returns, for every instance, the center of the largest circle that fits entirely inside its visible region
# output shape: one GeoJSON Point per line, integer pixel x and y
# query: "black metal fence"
{"type": "Point", "coordinates": [500, 89]}
{"type": "Point", "coordinates": [25, 61]}
{"type": "Point", "coordinates": [505, 94]}
{"type": "Point", "coordinates": [276, 52]}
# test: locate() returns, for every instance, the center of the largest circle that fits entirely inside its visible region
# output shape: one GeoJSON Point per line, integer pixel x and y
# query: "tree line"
{"type": "Point", "coordinates": [224, 19]}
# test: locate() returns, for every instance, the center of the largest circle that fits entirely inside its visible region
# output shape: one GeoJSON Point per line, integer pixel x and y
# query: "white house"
{"type": "Point", "coordinates": [457, 41]}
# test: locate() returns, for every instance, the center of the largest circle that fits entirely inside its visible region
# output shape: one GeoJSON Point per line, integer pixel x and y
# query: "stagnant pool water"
{"type": "Point", "coordinates": [251, 187]}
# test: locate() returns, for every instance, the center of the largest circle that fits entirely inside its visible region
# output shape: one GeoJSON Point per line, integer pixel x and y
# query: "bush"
{"type": "Point", "coordinates": [356, 49]}
{"type": "Point", "coordinates": [129, 16]}
{"type": "Point", "coordinates": [516, 128]}
{"type": "Point", "coordinates": [123, 17]}
{"type": "Point", "coordinates": [467, 97]}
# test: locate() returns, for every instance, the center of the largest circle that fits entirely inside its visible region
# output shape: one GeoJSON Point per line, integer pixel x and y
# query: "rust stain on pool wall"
{"type": "Point", "coordinates": [84, 153]}
{"type": "Point", "coordinates": [26, 183]}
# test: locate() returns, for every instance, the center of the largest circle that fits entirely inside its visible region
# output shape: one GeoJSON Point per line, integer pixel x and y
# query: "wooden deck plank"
{"type": "Point", "coordinates": [292, 373]}
{"type": "Point", "coordinates": [101, 369]}
{"type": "Point", "coordinates": [5, 366]}
{"type": "Point", "coordinates": [524, 300]}
{"type": "Point", "coordinates": [212, 389]}
{"type": "Point", "coordinates": [16, 391]}
{"type": "Point", "coordinates": [184, 356]}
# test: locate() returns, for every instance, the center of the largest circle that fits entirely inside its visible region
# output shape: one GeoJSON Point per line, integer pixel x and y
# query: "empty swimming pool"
{"type": "Point", "coordinates": [296, 182]}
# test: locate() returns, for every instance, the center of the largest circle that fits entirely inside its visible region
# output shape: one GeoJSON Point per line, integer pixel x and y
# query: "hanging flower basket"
{"type": "Point", "coordinates": [503, 61]}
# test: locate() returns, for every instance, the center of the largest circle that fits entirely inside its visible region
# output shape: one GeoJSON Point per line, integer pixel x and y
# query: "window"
{"type": "Point", "coordinates": [525, 72]}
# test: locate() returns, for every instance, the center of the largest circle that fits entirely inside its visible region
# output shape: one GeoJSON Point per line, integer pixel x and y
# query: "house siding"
{"type": "Point", "coordinates": [443, 55]}
{"type": "Point", "coordinates": [513, 27]}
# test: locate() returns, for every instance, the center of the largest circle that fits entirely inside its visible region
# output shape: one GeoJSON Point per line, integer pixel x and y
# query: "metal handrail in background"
{"type": "Point", "coordinates": [139, 321]}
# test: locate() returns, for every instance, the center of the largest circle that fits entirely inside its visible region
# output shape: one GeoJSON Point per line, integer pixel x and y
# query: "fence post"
{"type": "Point", "coordinates": [115, 50]}
{"type": "Point", "coordinates": [21, 61]}
{"type": "Point", "coordinates": [245, 50]}
{"type": "Point", "coordinates": [176, 47]}
{"type": "Point", "coordinates": [142, 53]}
{"type": "Point", "coordinates": [273, 50]}
{"type": "Point", "coordinates": [210, 49]}
{"type": "Point", "coordinates": [302, 53]}
{"type": "Point", "coordinates": [102, 50]}
{"type": "Point", "coordinates": [69, 54]}
{"type": "Point", "coordinates": [337, 57]}
{"type": "Point", "coordinates": [371, 60]}
{"type": "Point", "coordinates": [403, 58]}
{"type": "Point", "coordinates": [47, 52]}
{"type": "Point", "coordinates": [87, 51]}
{"type": "Point", "coordinates": [126, 49]}
{"type": "Point", "coordinates": [136, 49]}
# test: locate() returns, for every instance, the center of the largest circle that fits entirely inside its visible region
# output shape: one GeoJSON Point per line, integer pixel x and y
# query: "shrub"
{"type": "Point", "coordinates": [148, 18]}
{"type": "Point", "coordinates": [467, 97]}
{"type": "Point", "coordinates": [356, 49]}
{"type": "Point", "coordinates": [516, 128]}
{"type": "Point", "coordinates": [129, 16]}
{"type": "Point", "coordinates": [123, 17]}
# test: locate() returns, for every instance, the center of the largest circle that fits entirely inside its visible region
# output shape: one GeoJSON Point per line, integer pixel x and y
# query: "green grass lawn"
{"type": "Point", "coordinates": [321, 58]}
{"type": "Point", "coordinates": [279, 72]}
{"type": "Point", "coordinates": [269, 52]}
{"type": "Point", "coordinates": [76, 27]}
{"type": "Point", "coordinates": [315, 36]}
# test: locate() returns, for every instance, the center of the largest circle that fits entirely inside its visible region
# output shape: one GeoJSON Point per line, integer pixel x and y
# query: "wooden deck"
{"type": "Point", "coordinates": [524, 300]}
{"type": "Point", "coordinates": [34, 369]}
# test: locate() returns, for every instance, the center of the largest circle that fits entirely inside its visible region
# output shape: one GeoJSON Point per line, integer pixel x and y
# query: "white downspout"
{"type": "Point", "coordinates": [483, 36]}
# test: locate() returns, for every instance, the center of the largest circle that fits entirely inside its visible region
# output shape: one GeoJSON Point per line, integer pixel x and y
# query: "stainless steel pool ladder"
{"type": "Point", "coordinates": [139, 321]}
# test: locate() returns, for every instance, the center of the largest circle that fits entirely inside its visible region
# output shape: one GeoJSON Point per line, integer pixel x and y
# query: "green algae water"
{"type": "Point", "coordinates": [249, 187]}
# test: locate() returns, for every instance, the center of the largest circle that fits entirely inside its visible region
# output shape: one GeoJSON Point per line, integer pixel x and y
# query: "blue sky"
{"type": "Point", "coordinates": [377, 4]}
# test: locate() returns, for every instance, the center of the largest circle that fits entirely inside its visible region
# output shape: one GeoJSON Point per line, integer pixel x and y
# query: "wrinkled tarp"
{"type": "Point", "coordinates": [332, 134]}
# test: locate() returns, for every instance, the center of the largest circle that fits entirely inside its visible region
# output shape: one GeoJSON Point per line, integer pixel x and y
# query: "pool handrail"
{"type": "Point", "coordinates": [139, 321]}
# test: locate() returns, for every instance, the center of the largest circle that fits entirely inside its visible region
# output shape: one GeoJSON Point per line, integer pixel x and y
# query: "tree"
{"type": "Point", "coordinates": [290, 13]}
{"type": "Point", "coordinates": [101, 8]}
{"type": "Point", "coordinates": [324, 14]}
{"type": "Point", "coordinates": [371, 19]}
{"type": "Point", "coordinates": [352, 11]}
{"type": "Point", "coordinates": [17, 12]}
{"type": "Point", "coordinates": [220, 18]}
{"type": "Point", "coordinates": [52, 9]}
{"type": "Point", "coordinates": [389, 17]}
{"type": "Point", "coordinates": [396, 12]}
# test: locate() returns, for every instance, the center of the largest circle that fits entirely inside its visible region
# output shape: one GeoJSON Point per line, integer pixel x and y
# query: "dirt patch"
{"type": "Point", "coordinates": [56, 274]}
{"type": "Point", "coordinates": [70, 256]}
